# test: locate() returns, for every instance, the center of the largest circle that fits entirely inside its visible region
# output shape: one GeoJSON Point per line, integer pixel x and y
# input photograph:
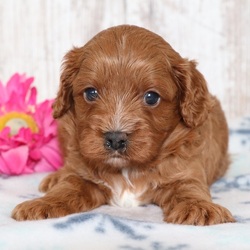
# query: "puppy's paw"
{"type": "Point", "coordinates": [39, 209]}
{"type": "Point", "coordinates": [198, 213]}
{"type": "Point", "coordinates": [49, 182]}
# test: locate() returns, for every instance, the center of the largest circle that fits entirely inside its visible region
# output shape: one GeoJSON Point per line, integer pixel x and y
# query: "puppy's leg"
{"type": "Point", "coordinates": [51, 180]}
{"type": "Point", "coordinates": [189, 202]}
{"type": "Point", "coordinates": [71, 195]}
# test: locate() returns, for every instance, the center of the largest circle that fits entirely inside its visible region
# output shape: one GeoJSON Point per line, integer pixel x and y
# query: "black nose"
{"type": "Point", "coordinates": [116, 140]}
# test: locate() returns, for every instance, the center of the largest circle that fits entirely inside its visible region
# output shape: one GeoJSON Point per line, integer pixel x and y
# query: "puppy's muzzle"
{"type": "Point", "coordinates": [115, 141]}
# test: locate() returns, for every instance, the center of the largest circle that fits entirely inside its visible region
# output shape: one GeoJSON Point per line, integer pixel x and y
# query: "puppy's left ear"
{"type": "Point", "coordinates": [193, 94]}
{"type": "Point", "coordinates": [70, 68]}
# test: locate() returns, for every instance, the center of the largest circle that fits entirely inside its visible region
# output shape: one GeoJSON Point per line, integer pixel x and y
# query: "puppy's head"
{"type": "Point", "coordinates": [127, 90]}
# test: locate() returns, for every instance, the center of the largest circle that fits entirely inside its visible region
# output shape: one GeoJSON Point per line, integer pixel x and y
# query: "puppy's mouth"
{"type": "Point", "coordinates": [117, 160]}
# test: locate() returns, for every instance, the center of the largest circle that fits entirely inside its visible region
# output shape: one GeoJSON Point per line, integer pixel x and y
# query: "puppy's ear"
{"type": "Point", "coordinates": [193, 93]}
{"type": "Point", "coordinates": [70, 68]}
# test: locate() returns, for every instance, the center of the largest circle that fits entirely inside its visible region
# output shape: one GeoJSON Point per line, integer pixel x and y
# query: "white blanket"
{"type": "Point", "coordinates": [127, 229]}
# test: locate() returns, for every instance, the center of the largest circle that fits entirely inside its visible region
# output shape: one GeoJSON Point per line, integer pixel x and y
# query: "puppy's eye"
{"type": "Point", "coordinates": [151, 98]}
{"type": "Point", "coordinates": [90, 94]}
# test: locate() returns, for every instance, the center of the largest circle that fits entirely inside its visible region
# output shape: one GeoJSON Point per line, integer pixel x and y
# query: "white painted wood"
{"type": "Point", "coordinates": [35, 34]}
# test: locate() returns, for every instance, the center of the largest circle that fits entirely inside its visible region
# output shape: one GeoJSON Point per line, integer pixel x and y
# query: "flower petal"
{"type": "Point", "coordinates": [16, 159]}
{"type": "Point", "coordinates": [31, 101]}
{"type": "Point", "coordinates": [35, 154]}
{"type": "Point", "coordinates": [44, 119]}
{"type": "Point", "coordinates": [43, 166]}
{"type": "Point", "coordinates": [11, 85]}
{"type": "Point", "coordinates": [19, 83]}
{"type": "Point", "coordinates": [52, 156]}
{"type": "Point", "coordinates": [17, 90]}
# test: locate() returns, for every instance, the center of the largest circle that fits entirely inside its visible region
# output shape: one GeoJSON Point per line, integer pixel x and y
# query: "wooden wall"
{"type": "Point", "coordinates": [35, 34]}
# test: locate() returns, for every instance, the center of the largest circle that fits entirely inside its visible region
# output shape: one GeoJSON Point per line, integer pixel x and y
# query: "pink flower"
{"type": "Point", "coordinates": [28, 141]}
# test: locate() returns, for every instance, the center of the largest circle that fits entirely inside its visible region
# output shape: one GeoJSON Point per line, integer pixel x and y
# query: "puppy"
{"type": "Point", "coordinates": [137, 125]}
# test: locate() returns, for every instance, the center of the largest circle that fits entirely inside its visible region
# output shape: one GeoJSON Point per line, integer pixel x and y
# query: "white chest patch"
{"type": "Point", "coordinates": [127, 197]}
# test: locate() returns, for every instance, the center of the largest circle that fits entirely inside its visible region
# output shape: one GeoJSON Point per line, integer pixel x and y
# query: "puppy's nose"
{"type": "Point", "coordinates": [116, 140]}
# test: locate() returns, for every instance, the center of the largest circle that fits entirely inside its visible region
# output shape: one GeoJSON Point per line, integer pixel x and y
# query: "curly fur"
{"type": "Point", "coordinates": [176, 149]}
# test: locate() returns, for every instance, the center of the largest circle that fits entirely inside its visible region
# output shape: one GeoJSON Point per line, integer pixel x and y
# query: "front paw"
{"type": "Point", "coordinates": [198, 213]}
{"type": "Point", "coordinates": [39, 209]}
{"type": "Point", "coordinates": [49, 182]}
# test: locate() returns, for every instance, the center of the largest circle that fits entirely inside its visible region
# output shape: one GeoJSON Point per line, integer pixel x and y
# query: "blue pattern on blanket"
{"type": "Point", "coordinates": [240, 136]}
{"type": "Point", "coordinates": [241, 182]}
{"type": "Point", "coordinates": [131, 230]}
{"type": "Point", "coordinates": [118, 224]}
{"type": "Point", "coordinates": [241, 219]}
{"type": "Point", "coordinates": [156, 246]}
{"type": "Point", "coordinates": [74, 220]}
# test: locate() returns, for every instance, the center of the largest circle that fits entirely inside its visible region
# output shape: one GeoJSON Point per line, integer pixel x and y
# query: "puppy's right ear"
{"type": "Point", "coordinates": [70, 68]}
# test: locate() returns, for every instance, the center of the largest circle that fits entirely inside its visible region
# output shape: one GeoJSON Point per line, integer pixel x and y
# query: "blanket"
{"type": "Point", "coordinates": [140, 228]}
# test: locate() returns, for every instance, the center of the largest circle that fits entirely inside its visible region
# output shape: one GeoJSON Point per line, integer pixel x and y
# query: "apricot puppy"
{"type": "Point", "coordinates": [137, 125]}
